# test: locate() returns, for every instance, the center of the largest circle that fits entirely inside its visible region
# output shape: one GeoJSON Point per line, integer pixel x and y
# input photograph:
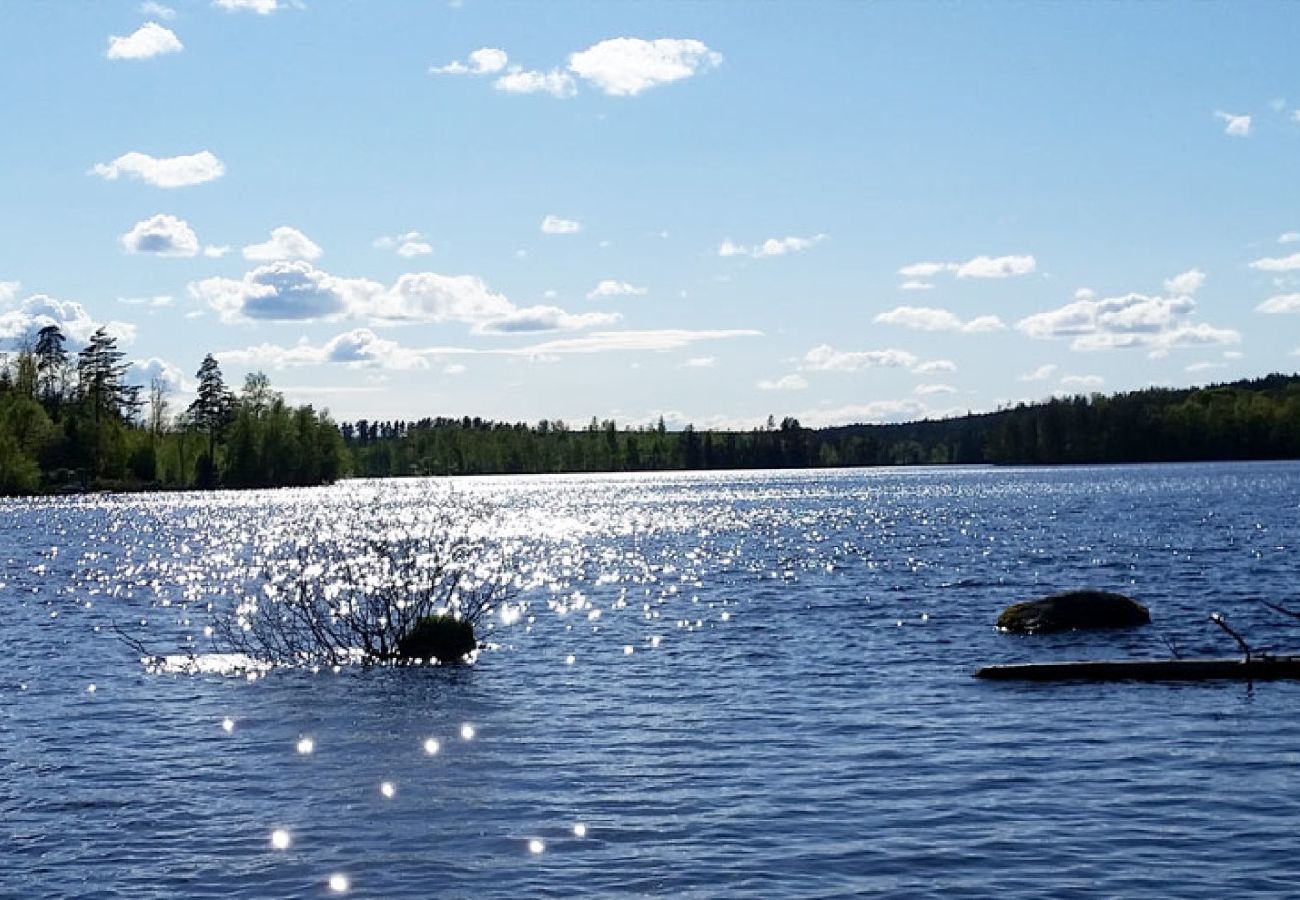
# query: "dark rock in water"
{"type": "Point", "coordinates": [444, 638]}
{"type": "Point", "coordinates": [1073, 609]}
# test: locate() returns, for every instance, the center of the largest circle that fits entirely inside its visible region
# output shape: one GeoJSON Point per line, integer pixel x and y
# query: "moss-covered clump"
{"type": "Point", "coordinates": [444, 638]}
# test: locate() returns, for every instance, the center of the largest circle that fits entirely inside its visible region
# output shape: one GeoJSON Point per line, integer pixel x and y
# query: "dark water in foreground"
{"type": "Point", "coordinates": [773, 700]}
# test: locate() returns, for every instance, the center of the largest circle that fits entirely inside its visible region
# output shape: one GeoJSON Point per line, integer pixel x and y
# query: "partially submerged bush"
{"type": "Point", "coordinates": [415, 594]}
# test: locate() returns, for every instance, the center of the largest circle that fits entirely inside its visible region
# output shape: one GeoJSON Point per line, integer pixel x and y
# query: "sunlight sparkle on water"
{"type": "Point", "coordinates": [339, 883]}
{"type": "Point", "coordinates": [227, 725]}
{"type": "Point", "coordinates": [467, 732]}
{"type": "Point", "coordinates": [431, 746]}
{"type": "Point", "coordinates": [387, 789]}
{"type": "Point", "coordinates": [280, 839]}
{"type": "Point", "coordinates": [306, 745]}
{"type": "Point", "coordinates": [579, 830]}
{"type": "Point", "coordinates": [569, 660]}
{"type": "Point", "coordinates": [536, 846]}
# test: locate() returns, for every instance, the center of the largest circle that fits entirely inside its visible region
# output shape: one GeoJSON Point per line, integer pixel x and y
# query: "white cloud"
{"type": "Point", "coordinates": [531, 81]}
{"type": "Point", "coordinates": [454, 369]}
{"type": "Point", "coordinates": [825, 358]}
{"type": "Point", "coordinates": [412, 243]}
{"type": "Point", "coordinates": [879, 412]}
{"type": "Point", "coordinates": [162, 235]}
{"type": "Point", "coordinates": [926, 318]}
{"type": "Point", "coordinates": [1237, 126]}
{"type": "Point", "coordinates": [934, 366]}
{"type": "Point", "coordinates": [786, 383]}
{"type": "Point", "coordinates": [155, 302]}
{"type": "Point", "coordinates": [358, 349]}
{"type": "Point", "coordinates": [771, 246]}
{"type": "Point", "coordinates": [1042, 373]}
{"type": "Point", "coordinates": [624, 67]}
{"type": "Point", "coordinates": [1205, 366]}
{"type": "Point", "coordinates": [261, 7]}
{"type": "Point", "coordinates": [8, 291]}
{"type": "Point", "coordinates": [544, 318]}
{"type": "Point", "coordinates": [286, 291]}
{"type": "Point", "coordinates": [285, 243]}
{"type": "Point", "coordinates": [1289, 237]}
{"type": "Point", "coordinates": [144, 371]}
{"type": "Point", "coordinates": [1082, 382]}
{"type": "Point", "coordinates": [216, 252]}
{"type": "Point", "coordinates": [483, 61]}
{"type": "Point", "coordinates": [1133, 320]}
{"type": "Point", "coordinates": [1282, 303]}
{"type": "Point", "coordinates": [700, 362]}
{"type": "Point", "coordinates": [553, 224]}
{"type": "Point", "coordinates": [1277, 263]}
{"type": "Point", "coordinates": [165, 172]}
{"type": "Point", "coordinates": [39, 310]}
{"type": "Point", "coordinates": [976, 267]}
{"type": "Point", "coordinates": [157, 10]}
{"type": "Point", "coordinates": [633, 341]}
{"type": "Point", "coordinates": [915, 285]}
{"type": "Point", "coordinates": [611, 288]}
{"type": "Point", "coordinates": [926, 390]}
{"type": "Point", "coordinates": [149, 40]}
{"type": "Point", "coordinates": [1186, 284]}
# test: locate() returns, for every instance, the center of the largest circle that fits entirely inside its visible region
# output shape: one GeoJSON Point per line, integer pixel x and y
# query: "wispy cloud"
{"type": "Point", "coordinates": [770, 247]}
{"type": "Point", "coordinates": [1234, 125]}
{"type": "Point", "coordinates": [553, 224]}
{"type": "Point", "coordinates": [924, 318]}
{"type": "Point", "coordinates": [975, 267]}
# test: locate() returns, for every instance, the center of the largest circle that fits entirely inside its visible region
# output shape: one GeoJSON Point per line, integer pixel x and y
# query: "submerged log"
{"type": "Point", "coordinates": [1071, 610]}
{"type": "Point", "coordinates": [1258, 668]}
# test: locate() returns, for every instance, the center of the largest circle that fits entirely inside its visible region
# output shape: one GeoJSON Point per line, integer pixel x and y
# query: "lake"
{"type": "Point", "coordinates": [729, 684]}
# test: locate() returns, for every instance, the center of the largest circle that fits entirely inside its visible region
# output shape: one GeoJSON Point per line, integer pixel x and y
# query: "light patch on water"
{"type": "Point", "coordinates": [339, 883]}
{"type": "Point", "coordinates": [280, 839]}
{"type": "Point", "coordinates": [467, 732]}
{"type": "Point", "coordinates": [536, 846]}
{"type": "Point", "coordinates": [431, 746]}
{"type": "Point", "coordinates": [579, 830]}
{"type": "Point", "coordinates": [227, 725]}
{"type": "Point", "coordinates": [388, 790]}
{"type": "Point", "coordinates": [305, 746]}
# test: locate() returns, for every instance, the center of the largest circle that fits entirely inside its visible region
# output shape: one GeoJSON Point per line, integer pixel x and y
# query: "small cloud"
{"type": "Point", "coordinates": [454, 369]}
{"type": "Point", "coordinates": [611, 288]}
{"type": "Point", "coordinates": [161, 235]}
{"type": "Point", "coordinates": [285, 243]}
{"type": "Point", "coordinates": [700, 362]}
{"type": "Point", "coordinates": [924, 318]}
{"type": "Point", "coordinates": [624, 67]}
{"type": "Point", "coordinates": [1186, 284]}
{"type": "Point", "coordinates": [1042, 373]}
{"type": "Point", "coordinates": [1236, 126]}
{"type": "Point", "coordinates": [1205, 366]}
{"type": "Point", "coordinates": [261, 7]}
{"type": "Point", "coordinates": [916, 286]}
{"type": "Point", "coordinates": [553, 224]}
{"type": "Point", "coordinates": [975, 267]}
{"type": "Point", "coordinates": [146, 42]}
{"type": "Point", "coordinates": [529, 81]}
{"type": "Point", "coordinates": [172, 378]}
{"type": "Point", "coordinates": [926, 390]}
{"type": "Point", "coordinates": [825, 358]}
{"type": "Point", "coordinates": [786, 383]}
{"type": "Point", "coordinates": [155, 302]}
{"type": "Point", "coordinates": [483, 61]}
{"type": "Point", "coordinates": [771, 246]}
{"type": "Point", "coordinates": [1281, 303]}
{"type": "Point", "coordinates": [544, 318]}
{"type": "Point", "coordinates": [1277, 263]}
{"type": "Point", "coordinates": [157, 10]}
{"type": "Point", "coordinates": [1289, 237]}
{"type": "Point", "coordinates": [1082, 382]}
{"type": "Point", "coordinates": [166, 172]}
{"type": "Point", "coordinates": [214, 252]}
{"type": "Point", "coordinates": [934, 366]}
{"type": "Point", "coordinates": [412, 243]}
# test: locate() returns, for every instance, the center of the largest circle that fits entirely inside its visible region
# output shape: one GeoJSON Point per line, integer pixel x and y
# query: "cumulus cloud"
{"type": "Point", "coordinates": [172, 378]}
{"type": "Point", "coordinates": [1236, 126]}
{"type": "Point", "coordinates": [412, 243]}
{"type": "Point", "coordinates": [483, 61]}
{"type": "Point", "coordinates": [770, 247]}
{"type": "Point", "coordinates": [285, 243]}
{"type": "Point", "coordinates": [532, 81]}
{"type": "Point", "coordinates": [1186, 284]}
{"type": "Point", "coordinates": [146, 42]}
{"type": "Point", "coordinates": [8, 291]}
{"type": "Point", "coordinates": [624, 67]}
{"type": "Point", "coordinates": [295, 291]}
{"type": "Point", "coordinates": [1133, 320]}
{"type": "Point", "coordinates": [825, 358]}
{"type": "Point", "coordinates": [261, 7]}
{"type": "Point", "coordinates": [1042, 373]}
{"type": "Point", "coordinates": [165, 172]}
{"type": "Point", "coordinates": [358, 349]}
{"type": "Point", "coordinates": [161, 235]}
{"type": "Point", "coordinates": [544, 318]}
{"type": "Point", "coordinates": [553, 224]}
{"type": "Point", "coordinates": [975, 267]}
{"type": "Point", "coordinates": [786, 383]}
{"type": "Point", "coordinates": [612, 288]}
{"type": "Point", "coordinates": [1277, 263]}
{"type": "Point", "coordinates": [933, 366]}
{"type": "Point", "coordinates": [924, 318]}
{"type": "Point", "coordinates": [1282, 303]}
{"type": "Point", "coordinates": [40, 310]}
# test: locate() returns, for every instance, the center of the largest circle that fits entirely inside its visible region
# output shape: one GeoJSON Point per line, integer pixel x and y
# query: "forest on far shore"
{"type": "Point", "coordinates": [73, 422]}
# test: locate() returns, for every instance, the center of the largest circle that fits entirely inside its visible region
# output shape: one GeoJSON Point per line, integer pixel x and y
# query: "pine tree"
{"type": "Point", "coordinates": [211, 412]}
{"type": "Point", "coordinates": [51, 364]}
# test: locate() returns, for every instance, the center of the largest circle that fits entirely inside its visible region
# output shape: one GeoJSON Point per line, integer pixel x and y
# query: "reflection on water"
{"type": "Point", "coordinates": [714, 684]}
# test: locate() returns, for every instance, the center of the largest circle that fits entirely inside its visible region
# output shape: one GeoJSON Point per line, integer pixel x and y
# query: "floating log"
{"type": "Point", "coordinates": [1257, 668]}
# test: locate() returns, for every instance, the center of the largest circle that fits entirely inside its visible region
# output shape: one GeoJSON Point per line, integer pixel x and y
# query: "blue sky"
{"type": "Point", "coordinates": [707, 211]}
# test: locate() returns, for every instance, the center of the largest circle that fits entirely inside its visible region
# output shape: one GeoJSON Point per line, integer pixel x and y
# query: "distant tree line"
{"type": "Point", "coordinates": [71, 422]}
{"type": "Point", "coordinates": [1255, 419]}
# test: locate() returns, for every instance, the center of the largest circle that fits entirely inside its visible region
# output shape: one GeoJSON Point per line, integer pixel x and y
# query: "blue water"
{"type": "Point", "coordinates": [795, 716]}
